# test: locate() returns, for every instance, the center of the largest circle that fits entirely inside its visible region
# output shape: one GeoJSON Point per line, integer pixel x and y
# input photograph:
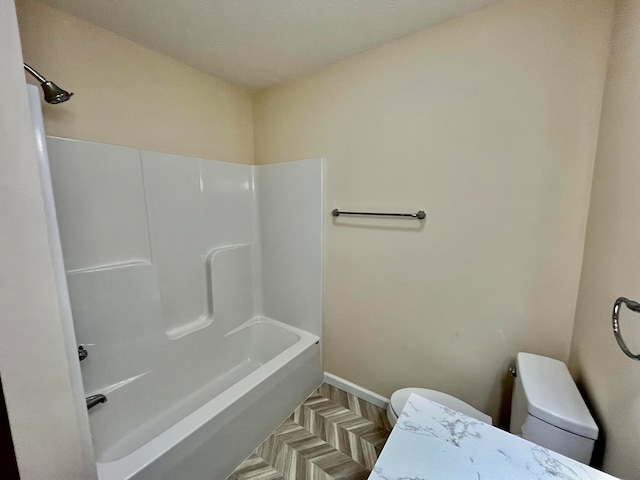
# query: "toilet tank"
{"type": "Point", "coordinates": [547, 408]}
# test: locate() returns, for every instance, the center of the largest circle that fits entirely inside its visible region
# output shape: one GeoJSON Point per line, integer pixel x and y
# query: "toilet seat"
{"type": "Point", "coordinates": [400, 397]}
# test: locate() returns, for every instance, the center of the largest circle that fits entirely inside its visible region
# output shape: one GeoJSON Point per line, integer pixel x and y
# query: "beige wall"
{"type": "Point", "coordinates": [38, 373]}
{"type": "Point", "coordinates": [489, 123]}
{"type": "Point", "coordinates": [126, 94]}
{"type": "Point", "coordinates": [612, 262]}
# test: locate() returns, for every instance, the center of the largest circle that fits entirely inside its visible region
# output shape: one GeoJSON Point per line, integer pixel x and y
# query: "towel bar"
{"type": "Point", "coordinates": [419, 214]}
{"type": "Point", "coordinates": [633, 306]}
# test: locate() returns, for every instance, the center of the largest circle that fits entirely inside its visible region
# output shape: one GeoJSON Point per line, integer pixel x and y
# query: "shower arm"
{"type": "Point", "coordinates": [35, 74]}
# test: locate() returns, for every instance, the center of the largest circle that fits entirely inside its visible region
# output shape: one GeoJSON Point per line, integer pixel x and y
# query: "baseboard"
{"type": "Point", "coordinates": [357, 390]}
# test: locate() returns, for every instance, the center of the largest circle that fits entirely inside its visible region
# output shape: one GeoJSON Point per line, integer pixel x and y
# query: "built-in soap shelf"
{"type": "Point", "coordinates": [109, 266]}
{"type": "Point", "coordinates": [229, 285]}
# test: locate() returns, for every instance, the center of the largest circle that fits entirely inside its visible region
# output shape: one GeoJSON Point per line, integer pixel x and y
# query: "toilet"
{"type": "Point", "coordinates": [547, 408]}
{"type": "Point", "coordinates": [400, 397]}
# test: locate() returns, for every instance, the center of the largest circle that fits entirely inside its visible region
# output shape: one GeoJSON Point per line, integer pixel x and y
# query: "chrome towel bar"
{"type": "Point", "coordinates": [634, 307]}
{"type": "Point", "coordinates": [419, 215]}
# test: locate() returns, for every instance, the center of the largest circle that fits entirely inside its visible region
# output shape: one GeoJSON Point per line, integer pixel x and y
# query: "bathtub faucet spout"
{"type": "Point", "coordinates": [94, 400]}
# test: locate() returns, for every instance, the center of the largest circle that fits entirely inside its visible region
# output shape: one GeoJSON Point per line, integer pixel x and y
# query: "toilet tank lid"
{"type": "Point", "coordinates": [552, 395]}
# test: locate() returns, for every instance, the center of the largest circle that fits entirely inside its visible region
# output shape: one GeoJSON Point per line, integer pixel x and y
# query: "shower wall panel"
{"type": "Point", "coordinates": [291, 216]}
{"type": "Point", "coordinates": [173, 193]}
{"type": "Point", "coordinates": [188, 224]}
{"type": "Point", "coordinates": [206, 241]}
{"type": "Point", "coordinates": [101, 207]}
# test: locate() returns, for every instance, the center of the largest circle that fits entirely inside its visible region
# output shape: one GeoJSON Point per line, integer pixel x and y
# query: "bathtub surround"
{"type": "Point", "coordinates": [332, 435]}
{"type": "Point", "coordinates": [180, 274]}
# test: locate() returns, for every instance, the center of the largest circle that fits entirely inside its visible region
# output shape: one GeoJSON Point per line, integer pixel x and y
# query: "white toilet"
{"type": "Point", "coordinates": [400, 397]}
{"type": "Point", "coordinates": [547, 409]}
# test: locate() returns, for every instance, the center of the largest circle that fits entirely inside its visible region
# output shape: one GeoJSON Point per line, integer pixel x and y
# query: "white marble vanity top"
{"type": "Point", "coordinates": [432, 442]}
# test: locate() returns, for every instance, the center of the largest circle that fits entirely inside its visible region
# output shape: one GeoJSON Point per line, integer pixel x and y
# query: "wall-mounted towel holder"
{"type": "Point", "coordinates": [419, 214]}
{"type": "Point", "coordinates": [633, 306]}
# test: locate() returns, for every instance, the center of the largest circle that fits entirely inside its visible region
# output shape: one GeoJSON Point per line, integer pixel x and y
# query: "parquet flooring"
{"type": "Point", "coordinates": [333, 435]}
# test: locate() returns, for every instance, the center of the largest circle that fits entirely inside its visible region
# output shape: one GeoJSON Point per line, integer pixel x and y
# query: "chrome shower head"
{"type": "Point", "coordinates": [52, 93]}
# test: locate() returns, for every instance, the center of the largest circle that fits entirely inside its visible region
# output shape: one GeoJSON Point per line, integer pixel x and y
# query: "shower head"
{"type": "Point", "coordinates": [52, 93]}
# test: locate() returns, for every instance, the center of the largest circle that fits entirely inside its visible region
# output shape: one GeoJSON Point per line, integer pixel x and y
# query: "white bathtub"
{"type": "Point", "coordinates": [270, 369]}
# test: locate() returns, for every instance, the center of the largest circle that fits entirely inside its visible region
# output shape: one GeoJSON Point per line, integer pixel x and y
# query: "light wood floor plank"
{"type": "Point", "coordinates": [255, 468]}
{"type": "Point", "coordinates": [333, 435]}
{"type": "Point", "coordinates": [343, 429]}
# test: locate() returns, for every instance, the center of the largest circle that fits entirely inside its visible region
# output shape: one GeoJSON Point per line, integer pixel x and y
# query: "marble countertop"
{"type": "Point", "coordinates": [433, 442]}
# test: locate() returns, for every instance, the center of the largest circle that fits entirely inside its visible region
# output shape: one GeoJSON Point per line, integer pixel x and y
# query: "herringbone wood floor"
{"type": "Point", "coordinates": [333, 435]}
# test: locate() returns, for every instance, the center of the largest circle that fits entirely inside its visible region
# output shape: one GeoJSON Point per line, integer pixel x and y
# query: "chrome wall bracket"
{"type": "Point", "coordinates": [615, 317]}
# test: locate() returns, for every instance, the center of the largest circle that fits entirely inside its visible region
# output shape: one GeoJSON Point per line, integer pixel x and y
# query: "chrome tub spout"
{"type": "Point", "coordinates": [94, 400]}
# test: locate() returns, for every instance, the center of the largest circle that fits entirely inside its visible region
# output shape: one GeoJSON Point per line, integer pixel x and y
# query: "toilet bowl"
{"type": "Point", "coordinates": [400, 397]}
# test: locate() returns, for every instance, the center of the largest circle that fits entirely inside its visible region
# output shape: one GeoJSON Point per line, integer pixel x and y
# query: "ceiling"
{"type": "Point", "coordinates": [256, 43]}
